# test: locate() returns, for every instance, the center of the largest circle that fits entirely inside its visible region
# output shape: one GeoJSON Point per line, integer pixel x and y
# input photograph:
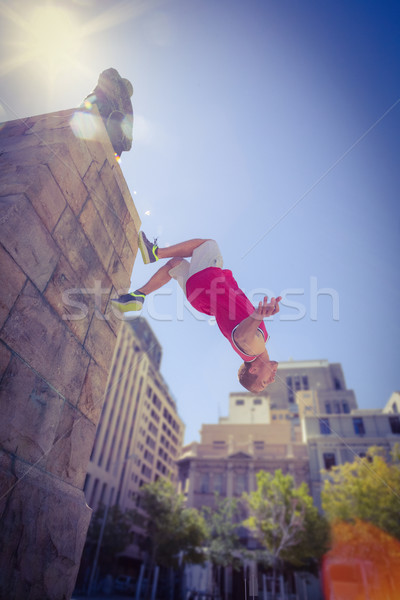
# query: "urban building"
{"type": "Point", "coordinates": [337, 439]}
{"type": "Point", "coordinates": [140, 434]}
{"type": "Point", "coordinates": [305, 422]}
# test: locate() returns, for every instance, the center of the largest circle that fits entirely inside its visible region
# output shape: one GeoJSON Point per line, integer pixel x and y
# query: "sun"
{"type": "Point", "coordinates": [52, 37]}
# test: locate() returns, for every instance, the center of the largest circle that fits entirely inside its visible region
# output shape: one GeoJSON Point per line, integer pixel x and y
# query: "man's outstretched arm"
{"type": "Point", "coordinates": [247, 335]}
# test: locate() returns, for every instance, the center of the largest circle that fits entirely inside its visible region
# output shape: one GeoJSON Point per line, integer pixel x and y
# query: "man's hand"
{"type": "Point", "coordinates": [266, 309]}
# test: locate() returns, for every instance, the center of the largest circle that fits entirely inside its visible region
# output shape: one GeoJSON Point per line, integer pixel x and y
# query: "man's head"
{"type": "Point", "coordinates": [256, 375]}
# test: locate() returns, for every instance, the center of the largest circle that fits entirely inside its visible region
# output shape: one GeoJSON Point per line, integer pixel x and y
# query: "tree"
{"type": "Point", "coordinates": [116, 535]}
{"type": "Point", "coordinates": [286, 521]}
{"type": "Point", "coordinates": [223, 547]}
{"type": "Point", "coordinates": [367, 489]}
{"type": "Point", "coordinates": [173, 532]}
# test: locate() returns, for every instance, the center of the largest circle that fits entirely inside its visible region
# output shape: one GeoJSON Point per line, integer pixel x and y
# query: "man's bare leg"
{"type": "Point", "coordinates": [134, 300]}
{"type": "Point", "coordinates": [182, 250]}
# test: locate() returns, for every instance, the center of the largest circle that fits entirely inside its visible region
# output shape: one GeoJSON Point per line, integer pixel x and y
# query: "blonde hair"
{"type": "Point", "coordinates": [246, 378]}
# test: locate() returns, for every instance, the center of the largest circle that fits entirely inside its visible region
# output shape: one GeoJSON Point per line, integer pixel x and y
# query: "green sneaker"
{"type": "Point", "coordinates": [148, 249]}
{"type": "Point", "coordinates": [129, 302]}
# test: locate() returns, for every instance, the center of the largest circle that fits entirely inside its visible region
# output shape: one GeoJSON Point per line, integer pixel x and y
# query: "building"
{"type": "Point", "coordinates": [231, 452]}
{"type": "Point", "coordinates": [140, 433]}
{"type": "Point", "coordinates": [305, 422]}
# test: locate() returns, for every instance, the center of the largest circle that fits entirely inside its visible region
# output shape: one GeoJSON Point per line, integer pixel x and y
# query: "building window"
{"type": "Point", "coordinates": [358, 425]}
{"type": "Point", "coordinates": [257, 401]}
{"type": "Point", "coordinates": [328, 408]}
{"type": "Point", "coordinates": [329, 460]}
{"type": "Point", "coordinates": [240, 483]}
{"type": "Point", "coordinates": [218, 482]}
{"type": "Point", "coordinates": [258, 445]}
{"type": "Point", "coordinates": [305, 382]}
{"type": "Point", "coordinates": [346, 408]}
{"type": "Point", "coordinates": [336, 408]}
{"type": "Point", "coordinates": [395, 424]}
{"type": "Point", "coordinates": [324, 426]}
{"type": "Point", "coordinates": [205, 483]}
{"type": "Point", "coordinates": [239, 402]}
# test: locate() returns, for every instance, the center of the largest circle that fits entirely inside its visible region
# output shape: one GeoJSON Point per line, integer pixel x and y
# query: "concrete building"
{"type": "Point", "coordinates": [140, 433]}
{"type": "Point", "coordinates": [337, 439]}
{"type": "Point", "coordinates": [231, 452]}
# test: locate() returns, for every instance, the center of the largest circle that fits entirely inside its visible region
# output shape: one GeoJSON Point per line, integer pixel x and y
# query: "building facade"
{"type": "Point", "coordinates": [140, 433]}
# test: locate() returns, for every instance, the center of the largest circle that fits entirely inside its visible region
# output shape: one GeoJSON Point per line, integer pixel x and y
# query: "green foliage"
{"type": "Point", "coordinates": [171, 529]}
{"type": "Point", "coordinates": [222, 521]}
{"type": "Point", "coordinates": [367, 489]}
{"type": "Point", "coordinates": [286, 521]}
{"type": "Point", "coordinates": [116, 535]}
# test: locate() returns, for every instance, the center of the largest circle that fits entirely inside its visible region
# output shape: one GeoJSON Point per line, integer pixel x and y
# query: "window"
{"type": "Point", "coordinates": [358, 424]}
{"type": "Point", "coordinates": [395, 424]}
{"type": "Point", "coordinates": [329, 460]}
{"type": "Point", "coordinates": [257, 401]}
{"type": "Point", "coordinates": [305, 382]}
{"type": "Point", "coordinates": [218, 480]}
{"type": "Point", "coordinates": [345, 407]}
{"type": "Point", "coordinates": [324, 426]}
{"type": "Point", "coordinates": [205, 483]}
{"type": "Point", "coordinates": [239, 402]}
{"type": "Point", "coordinates": [240, 483]}
{"type": "Point", "coordinates": [336, 408]}
{"type": "Point", "coordinates": [259, 445]}
{"type": "Point", "coordinates": [328, 408]}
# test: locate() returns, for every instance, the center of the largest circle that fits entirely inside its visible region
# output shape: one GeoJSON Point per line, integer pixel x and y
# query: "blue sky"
{"type": "Point", "coordinates": [269, 126]}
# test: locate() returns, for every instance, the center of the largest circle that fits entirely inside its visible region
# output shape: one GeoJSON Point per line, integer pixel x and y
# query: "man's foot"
{"type": "Point", "coordinates": [129, 302]}
{"type": "Point", "coordinates": [148, 249]}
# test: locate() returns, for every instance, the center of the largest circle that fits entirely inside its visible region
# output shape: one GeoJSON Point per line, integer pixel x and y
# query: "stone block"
{"type": "Point", "coordinates": [96, 233]}
{"type": "Point", "coordinates": [5, 356]}
{"type": "Point", "coordinates": [113, 316]}
{"type": "Point", "coordinates": [127, 256]}
{"type": "Point", "coordinates": [66, 174]}
{"type": "Point", "coordinates": [100, 342]}
{"type": "Point", "coordinates": [67, 295]}
{"type": "Point", "coordinates": [12, 280]}
{"type": "Point", "coordinates": [43, 525]}
{"type": "Point", "coordinates": [30, 412]}
{"type": "Point", "coordinates": [79, 252]}
{"type": "Point", "coordinates": [27, 240]}
{"type": "Point", "coordinates": [40, 187]}
{"type": "Point", "coordinates": [70, 452]}
{"type": "Point", "coordinates": [92, 396]}
{"type": "Point", "coordinates": [120, 180]}
{"type": "Point", "coordinates": [131, 232]}
{"type": "Point", "coordinates": [36, 333]}
{"type": "Point", "coordinates": [107, 176]}
{"type": "Point", "coordinates": [117, 273]}
{"type": "Point", "coordinates": [103, 201]}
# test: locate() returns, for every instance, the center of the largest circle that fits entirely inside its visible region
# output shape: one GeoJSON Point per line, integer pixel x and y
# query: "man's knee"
{"type": "Point", "coordinates": [174, 262]}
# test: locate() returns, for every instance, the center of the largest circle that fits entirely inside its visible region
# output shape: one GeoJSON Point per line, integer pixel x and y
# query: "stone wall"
{"type": "Point", "coordinates": [68, 233]}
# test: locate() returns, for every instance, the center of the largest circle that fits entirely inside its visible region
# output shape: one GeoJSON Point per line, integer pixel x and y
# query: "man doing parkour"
{"type": "Point", "coordinates": [212, 290]}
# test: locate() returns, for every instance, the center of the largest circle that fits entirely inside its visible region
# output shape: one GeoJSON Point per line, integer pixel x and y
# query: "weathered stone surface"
{"type": "Point", "coordinates": [96, 233]}
{"type": "Point", "coordinates": [113, 316]}
{"type": "Point", "coordinates": [118, 275]}
{"type": "Point", "coordinates": [44, 342]}
{"type": "Point", "coordinates": [40, 187]}
{"type": "Point", "coordinates": [107, 176]}
{"type": "Point", "coordinates": [43, 524]}
{"type": "Point", "coordinates": [27, 428]}
{"type": "Point", "coordinates": [70, 451]}
{"type": "Point", "coordinates": [131, 232]}
{"type": "Point", "coordinates": [120, 180]}
{"type": "Point", "coordinates": [92, 396]}
{"type": "Point", "coordinates": [68, 296]}
{"type": "Point", "coordinates": [12, 280]}
{"type": "Point", "coordinates": [79, 252]}
{"type": "Point", "coordinates": [100, 342]}
{"type": "Point", "coordinates": [103, 201]}
{"type": "Point", "coordinates": [5, 356]}
{"type": "Point", "coordinates": [67, 176]}
{"type": "Point", "coordinates": [27, 240]}
{"type": "Point", "coordinates": [127, 256]}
